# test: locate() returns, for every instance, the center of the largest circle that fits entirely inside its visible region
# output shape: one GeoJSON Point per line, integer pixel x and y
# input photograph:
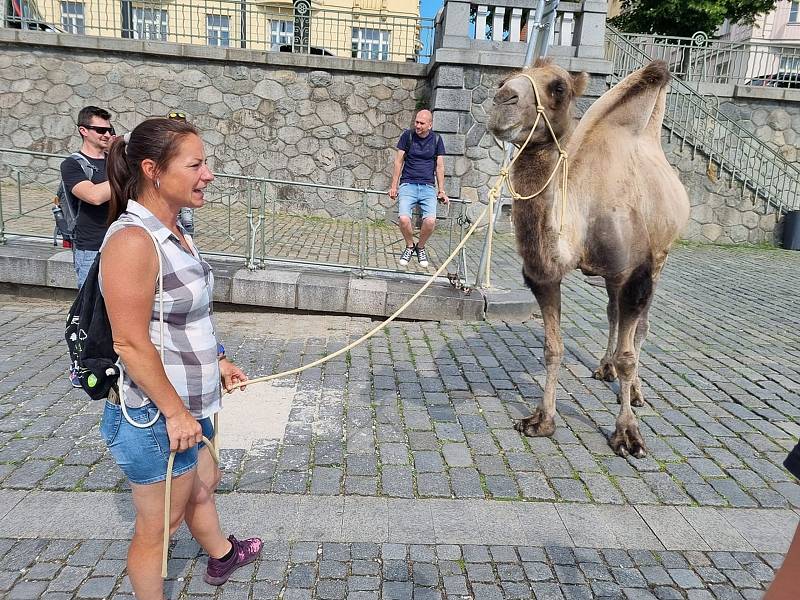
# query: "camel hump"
{"type": "Point", "coordinates": [656, 73]}
{"type": "Point", "coordinates": [636, 104]}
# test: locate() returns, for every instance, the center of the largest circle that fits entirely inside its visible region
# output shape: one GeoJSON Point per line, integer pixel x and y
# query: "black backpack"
{"type": "Point", "coordinates": [65, 211]}
{"type": "Point", "coordinates": [88, 335]}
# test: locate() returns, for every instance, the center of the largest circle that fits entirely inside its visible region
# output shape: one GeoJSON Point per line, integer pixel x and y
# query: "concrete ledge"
{"type": "Point", "coordinates": [758, 93]}
{"type": "Point", "coordinates": [61, 271]}
{"type": "Point", "coordinates": [502, 56]}
{"type": "Point", "coordinates": [42, 267]}
{"type": "Point", "coordinates": [509, 305]}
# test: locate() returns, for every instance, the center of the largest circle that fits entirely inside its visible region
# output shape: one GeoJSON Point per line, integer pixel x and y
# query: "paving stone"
{"type": "Point", "coordinates": [27, 590]}
{"type": "Point", "coordinates": [96, 587]}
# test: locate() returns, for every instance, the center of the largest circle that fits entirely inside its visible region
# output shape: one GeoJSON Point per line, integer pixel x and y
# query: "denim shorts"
{"type": "Point", "coordinates": [410, 195]}
{"type": "Point", "coordinates": [82, 260]}
{"type": "Point", "coordinates": [142, 453]}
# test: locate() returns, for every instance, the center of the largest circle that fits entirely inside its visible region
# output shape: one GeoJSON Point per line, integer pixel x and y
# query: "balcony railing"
{"type": "Point", "coordinates": [499, 23]}
{"type": "Point", "coordinates": [704, 60]}
{"type": "Point", "coordinates": [367, 32]}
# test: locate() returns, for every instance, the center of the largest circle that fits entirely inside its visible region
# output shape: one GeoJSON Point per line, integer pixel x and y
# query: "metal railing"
{"type": "Point", "coordinates": [699, 124]}
{"type": "Point", "coordinates": [704, 60]}
{"type": "Point", "coordinates": [255, 219]}
{"type": "Point", "coordinates": [359, 33]}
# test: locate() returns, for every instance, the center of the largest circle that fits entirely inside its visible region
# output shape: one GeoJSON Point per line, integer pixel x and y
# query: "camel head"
{"type": "Point", "coordinates": [514, 111]}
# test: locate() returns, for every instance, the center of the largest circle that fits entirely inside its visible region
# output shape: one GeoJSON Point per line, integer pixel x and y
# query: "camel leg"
{"type": "Point", "coordinates": [606, 370]}
{"type": "Point", "coordinates": [642, 329]}
{"type": "Point", "coordinates": [542, 422]}
{"type": "Point", "coordinates": [634, 299]}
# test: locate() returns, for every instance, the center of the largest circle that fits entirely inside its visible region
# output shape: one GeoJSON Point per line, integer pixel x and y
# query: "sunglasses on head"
{"type": "Point", "coordinates": [100, 130]}
{"type": "Point", "coordinates": [178, 116]}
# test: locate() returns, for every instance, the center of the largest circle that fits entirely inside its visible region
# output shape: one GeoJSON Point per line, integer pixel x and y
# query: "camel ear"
{"type": "Point", "coordinates": [579, 83]}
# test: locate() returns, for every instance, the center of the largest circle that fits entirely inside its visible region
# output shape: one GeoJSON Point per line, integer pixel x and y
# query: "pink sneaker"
{"type": "Point", "coordinates": [244, 553]}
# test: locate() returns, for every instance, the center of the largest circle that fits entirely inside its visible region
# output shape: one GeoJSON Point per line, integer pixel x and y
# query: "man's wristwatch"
{"type": "Point", "coordinates": [220, 351]}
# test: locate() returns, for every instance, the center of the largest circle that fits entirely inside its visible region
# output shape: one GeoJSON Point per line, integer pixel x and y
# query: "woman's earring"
{"type": "Point", "coordinates": [158, 183]}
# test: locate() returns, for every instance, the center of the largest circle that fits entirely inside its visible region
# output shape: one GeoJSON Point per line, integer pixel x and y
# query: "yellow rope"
{"type": "Point", "coordinates": [168, 494]}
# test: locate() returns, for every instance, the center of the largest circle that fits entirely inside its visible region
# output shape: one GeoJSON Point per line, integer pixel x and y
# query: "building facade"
{"type": "Point", "coordinates": [368, 29]}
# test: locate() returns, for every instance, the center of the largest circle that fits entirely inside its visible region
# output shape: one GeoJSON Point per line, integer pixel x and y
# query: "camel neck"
{"type": "Point", "coordinates": [532, 170]}
{"type": "Point", "coordinates": [534, 222]}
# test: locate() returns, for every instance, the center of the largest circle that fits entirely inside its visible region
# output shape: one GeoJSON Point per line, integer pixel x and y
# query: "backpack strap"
{"type": "Point", "coordinates": [88, 170]}
{"type": "Point", "coordinates": [120, 384]}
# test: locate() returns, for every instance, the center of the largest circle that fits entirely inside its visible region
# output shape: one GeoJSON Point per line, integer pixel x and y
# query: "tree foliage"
{"type": "Point", "coordinates": [686, 17]}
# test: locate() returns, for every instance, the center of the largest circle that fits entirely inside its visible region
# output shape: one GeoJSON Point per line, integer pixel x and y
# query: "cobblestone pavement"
{"type": "Point", "coordinates": [425, 411]}
{"type": "Point", "coordinates": [365, 571]}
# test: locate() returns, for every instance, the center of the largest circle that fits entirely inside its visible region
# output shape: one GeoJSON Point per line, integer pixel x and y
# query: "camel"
{"type": "Point", "coordinates": [624, 208]}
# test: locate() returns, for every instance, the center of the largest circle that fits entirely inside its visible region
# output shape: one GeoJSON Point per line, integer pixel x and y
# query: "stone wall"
{"type": "Point", "coordinates": [723, 212]}
{"type": "Point", "coordinates": [336, 127]}
{"type": "Point", "coordinates": [775, 122]}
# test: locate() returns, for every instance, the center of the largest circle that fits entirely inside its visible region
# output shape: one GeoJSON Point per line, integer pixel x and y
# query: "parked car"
{"type": "Point", "coordinates": [311, 50]}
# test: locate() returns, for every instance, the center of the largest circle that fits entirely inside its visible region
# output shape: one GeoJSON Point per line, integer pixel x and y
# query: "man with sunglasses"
{"type": "Point", "coordinates": [89, 195]}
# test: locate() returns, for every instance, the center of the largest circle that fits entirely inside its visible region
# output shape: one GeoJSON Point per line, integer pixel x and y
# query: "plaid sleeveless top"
{"type": "Point", "coordinates": [190, 343]}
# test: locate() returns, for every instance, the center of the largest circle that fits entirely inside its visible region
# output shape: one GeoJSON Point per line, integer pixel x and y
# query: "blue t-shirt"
{"type": "Point", "coordinates": [421, 153]}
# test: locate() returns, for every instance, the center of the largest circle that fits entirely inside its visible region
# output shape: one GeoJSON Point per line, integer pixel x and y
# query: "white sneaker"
{"type": "Point", "coordinates": [406, 256]}
{"type": "Point", "coordinates": [422, 256]}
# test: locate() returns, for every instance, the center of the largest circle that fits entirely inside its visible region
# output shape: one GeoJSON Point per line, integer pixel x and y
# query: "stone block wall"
{"type": "Point", "coordinates": [723, 212]}
{"type": "Point", "coordinates": [337, 127]}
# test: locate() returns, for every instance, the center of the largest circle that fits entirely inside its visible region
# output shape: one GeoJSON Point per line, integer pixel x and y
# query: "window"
{"type": "Point", "coordinates": [788, 72]}
{"type": "Point", "coordinates": [150, 24]}
{"type": "Point", "coordinates": [72, 17]}
{"type": "Point", "coordinates": [370, 43]}
{"type": "Point", "coordinates": [793, 10]}
{"type": "Point", "coordinates": [280, 33]}
{"type": "Point", "coordinates": [218, 30]}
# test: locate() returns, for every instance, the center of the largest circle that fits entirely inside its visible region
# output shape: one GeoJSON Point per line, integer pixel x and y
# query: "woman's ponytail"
{"type": "Point", "coordinates": [119, 176]}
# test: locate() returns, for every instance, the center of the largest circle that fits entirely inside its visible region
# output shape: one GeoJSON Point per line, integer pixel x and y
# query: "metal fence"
{"type": "Point", "coordinates": [699, 124]}
{"type": "Point", "coordinates": [704, 60]}
{"type": "Point", "coordinates": [254, 219]}
{"type": "Point", "coordinates": [364, 33]}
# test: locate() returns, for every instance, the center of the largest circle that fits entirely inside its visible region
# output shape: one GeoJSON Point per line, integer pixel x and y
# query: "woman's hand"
{"type": "Point", "coordinates": [184, 431]}
{"type": "Point", "coordinates": [231, 375]}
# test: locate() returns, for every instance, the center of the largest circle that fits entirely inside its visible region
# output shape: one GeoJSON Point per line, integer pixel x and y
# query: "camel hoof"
{"type": "Point", "coordinates": [605, 372]}
{"type": "Point", "coordinates": [537, 425]}
{"type": "Point", "coordinates": [628, 441]}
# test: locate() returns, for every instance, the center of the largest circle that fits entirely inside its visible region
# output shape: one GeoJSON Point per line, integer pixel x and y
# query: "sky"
{"type": "Point", "coordinates": [428, 8]}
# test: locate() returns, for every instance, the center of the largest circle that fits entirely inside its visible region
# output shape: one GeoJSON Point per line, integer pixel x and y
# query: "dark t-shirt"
{"type": "Point", "coordinates": [421, 153]}
{"type": "Point", "coordinates": [91, 226]}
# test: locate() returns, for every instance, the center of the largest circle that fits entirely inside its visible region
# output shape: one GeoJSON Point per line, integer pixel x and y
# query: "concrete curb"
{"type": "Point", "coordinates": [292, 286]}
{"type": "Point", "coordinates": [62, 515]}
